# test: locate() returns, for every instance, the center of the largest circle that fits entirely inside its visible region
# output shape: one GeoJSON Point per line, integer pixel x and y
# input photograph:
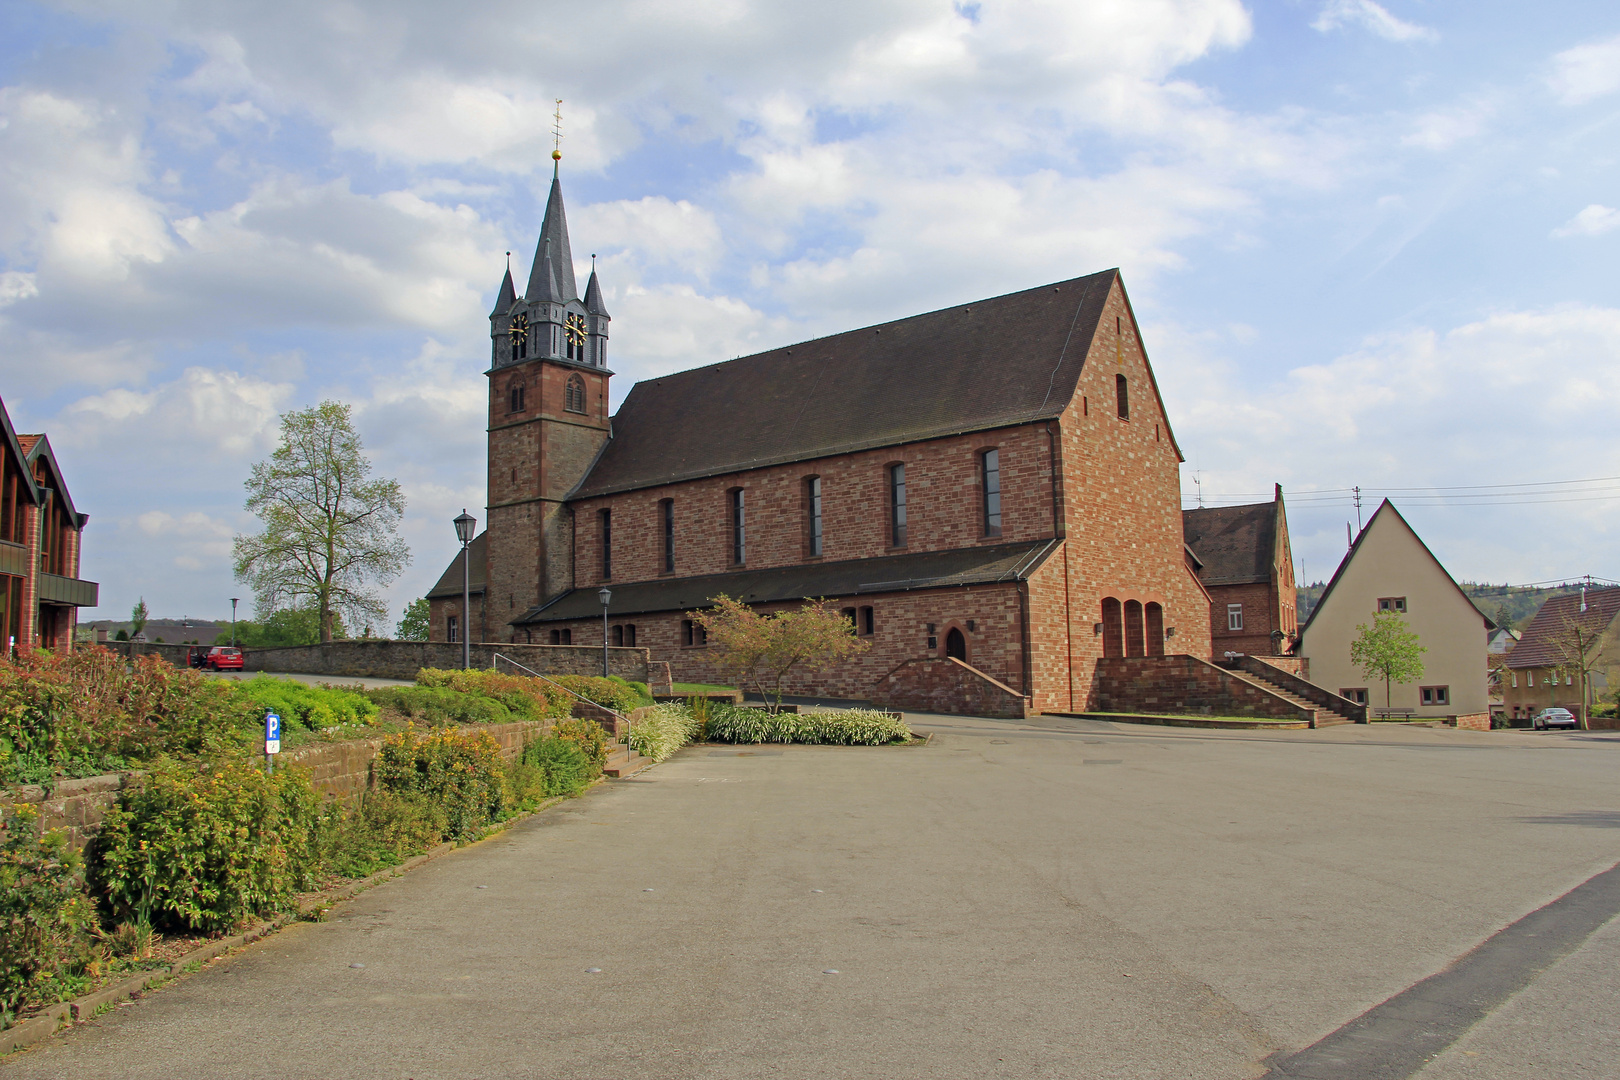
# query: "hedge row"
{"type": "Point", "coordinates": [847, 727]}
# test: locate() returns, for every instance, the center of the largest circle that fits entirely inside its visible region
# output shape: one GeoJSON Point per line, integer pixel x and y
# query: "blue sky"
{"type": "Point", "coordinates": [1370, 244]}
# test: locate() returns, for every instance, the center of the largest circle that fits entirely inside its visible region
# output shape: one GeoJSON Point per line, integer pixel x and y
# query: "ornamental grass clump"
{"type": "Point", "coordinates": [845, 727]}
{"type": "Point", "coordinates": [662, 730]}
{"type": "Point", "coordinates": [203, 846]}
{"type": "Point", "coordinates": [47, 923]}
{"type": "Point", "coordinates": [459, 770]}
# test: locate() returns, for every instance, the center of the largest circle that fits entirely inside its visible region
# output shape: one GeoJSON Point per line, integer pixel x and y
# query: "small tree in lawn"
{"type": "Point", "coordinates": [1387, 650]}
{"type": "Point", "coordinates": [328, 530]}
{"type": "Point", "coordinates": [761, 650]}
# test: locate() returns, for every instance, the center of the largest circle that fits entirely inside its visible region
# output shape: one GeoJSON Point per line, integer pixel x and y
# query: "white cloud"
{"type": "Point", "coordinates": [653, 231]}
{"type": "Point", "coordinates": [16, 285]}
{"type": "Point", "coordinates": [1587, 71]}
{"type": "Point", "coordinates": [219, 415]}
{"type": "Point", "coordinates": [1443, 129]}
{"type": "Point", "coordinates": [1372, 17]}
{"type": "Point", "coordinates": [1593, 221]}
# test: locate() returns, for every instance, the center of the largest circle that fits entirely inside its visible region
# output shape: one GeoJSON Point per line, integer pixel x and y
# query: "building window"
{"type": "Point", "coordinates": [606, 519]}
{"type": "Point", "coordinates": [1515, 680]}
{"type": "Point", "coordinates": [693, 633]}
{"type": "Point", "coordinates": [618, 636]}
{"type": "Point", "coordinates": [630, 635]}
{"type": "Point", "coordinates": [1135, 643]}
{"type": "Point", "coordinates": [849, 613]}
{"type": "Point", "coordinates": [1357, 694]}
{"type": "Point", "coordinates": [990, 473]}
{"type": "Point", "coordinates": [452, 628]}
{"type": "Point", "coordinates": [739, 528]}
{"type": "Point", "coordinates": [601, 352]}
{"type": "Point", "coordinates": [666, 513]}
{"type": "Point", "coordinates": [1530, 678]}
{"type": "Point", "coordinates": [1122, 392]}
{"type": "Point", "coordinates": [897, 505]}
{"type": "Point", "coordinates": [1112, 627]}
{"type": "Point", "coordinates": [868, 623]}
{"type": "Point", "coordinates": [562, 637]}
{"type": "Point", "coordinates": [1234, 616]}
{"type": "Point", "coordinates": [515, 404]}
{"type": "Point", "coordinates": [1154, 614]}
{"type": "Point", "coordinates": [1436, 695]}
{"type": "Point", "coordinates": [574, 396]}
{"type": "Point", "coordinates": [556, 637]}
{"type": "Point", "coordinates": [812, 492]}
{"type": "Point", "coordinates": [1396, 604]}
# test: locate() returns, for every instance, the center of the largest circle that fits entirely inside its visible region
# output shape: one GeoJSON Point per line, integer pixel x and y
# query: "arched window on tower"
{"type": "Point", "coordinates": [574, 399]}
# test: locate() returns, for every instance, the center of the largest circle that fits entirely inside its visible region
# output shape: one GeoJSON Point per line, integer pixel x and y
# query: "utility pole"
{"type": "Point", "coordinates": [1357, 491]}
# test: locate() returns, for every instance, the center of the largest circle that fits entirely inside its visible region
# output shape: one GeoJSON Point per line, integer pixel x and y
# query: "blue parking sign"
{"type": "Point", "coordinates": [272, 733]}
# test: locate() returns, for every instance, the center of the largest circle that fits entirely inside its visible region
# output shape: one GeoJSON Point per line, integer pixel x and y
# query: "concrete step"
{"type": "Point", "coordinates": [624, 762]}
{"type": "Point", "coordinates": [1322, 715]}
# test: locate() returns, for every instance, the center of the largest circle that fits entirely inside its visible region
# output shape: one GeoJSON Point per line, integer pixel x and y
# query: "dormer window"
{"type": "Point", "coordinates": [574, 398]}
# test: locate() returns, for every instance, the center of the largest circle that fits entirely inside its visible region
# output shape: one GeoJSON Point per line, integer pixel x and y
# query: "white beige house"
{"type": "Point", "coordinates": [1389, 569]}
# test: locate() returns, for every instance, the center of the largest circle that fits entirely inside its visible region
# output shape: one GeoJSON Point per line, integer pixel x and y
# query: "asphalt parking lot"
{"type": "Point", "coordinates": [1052, 898]}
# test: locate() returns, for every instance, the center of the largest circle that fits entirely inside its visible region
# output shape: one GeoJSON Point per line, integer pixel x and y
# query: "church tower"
{"type": "Point", "coordinates": [548, 421]}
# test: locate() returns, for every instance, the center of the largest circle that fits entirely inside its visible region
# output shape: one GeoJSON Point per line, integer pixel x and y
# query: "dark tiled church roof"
{"type": "Point", "coordinates": [1236, 544]}
{"type": "Point", "coordinates": [991, 363]}
{"type": "Point", "coordinates": [1540, 645]}
{"type": "Point", "coordinates": [890, 574]}
{"type": "Point", "coordinates": [450, 583]}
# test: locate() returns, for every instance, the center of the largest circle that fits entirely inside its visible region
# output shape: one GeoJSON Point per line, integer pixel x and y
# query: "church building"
{"type": "Point", "coordinates": [990, 492]}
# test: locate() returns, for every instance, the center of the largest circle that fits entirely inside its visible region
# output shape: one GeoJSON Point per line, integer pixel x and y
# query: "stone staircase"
{"type": "Point", "coordinates": [623, 761]}
{"type": "Point", "coordinates": [1321, 715]}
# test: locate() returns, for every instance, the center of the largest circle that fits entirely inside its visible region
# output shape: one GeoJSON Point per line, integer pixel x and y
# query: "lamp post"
{"type": "Point", "coordinates": [465, 524]}
{"type": "Point", "coordinates": [234, 599]}
{"type": "Point", "coordinates": [606, 596]}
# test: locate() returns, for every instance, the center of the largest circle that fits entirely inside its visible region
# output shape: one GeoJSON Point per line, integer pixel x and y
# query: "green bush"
{"type": "Point", "coordinates": [204, 846]}
{"type": "Point", "coordinates": [384, 830]}
{"type": "Point", "coordinates": [613, 693]}
{"type": "Point", "coordinates": [47, 923]}
{"type": "Point", "coordinates": [663, 730]}
{"type": "Point", "coordinates": [527, 698]}
{"type": "Point", "coordinates": [525, 785]}
{"type": "Point", "coordinates": [460, 770]}
{"type": "Point", "coordinates": [589, 736]}
{"type": "Point", "coordinates": [439, 705]}
{"type": "Point", "coordinates": [567, 768]}
{"type": "Point", "coordinates": [847, 727]}
{"type": "Point", "coordinates": [313, 708]}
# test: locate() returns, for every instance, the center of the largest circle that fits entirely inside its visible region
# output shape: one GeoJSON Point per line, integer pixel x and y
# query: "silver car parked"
{"type": "Point", "coordinates": [1551, 718]}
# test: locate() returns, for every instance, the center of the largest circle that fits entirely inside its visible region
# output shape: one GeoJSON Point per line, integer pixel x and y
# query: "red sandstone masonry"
{"type": "Point", "coordinates": [1184, 684]}
{"type": "Point", "coordinates": [947, 685]}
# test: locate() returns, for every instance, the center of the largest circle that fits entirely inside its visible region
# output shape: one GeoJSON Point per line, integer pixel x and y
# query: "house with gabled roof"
{"type": "Point", "coordinates": [1247, 565]}
{"type": "Point", "coordinates": [40, 532]}
{"type": "Point", "coordinates": [1570, 636]}
{"type": "Point", "coordinates": [989, 491]}
{"type": "Point", "coordinates": [1390, 570]}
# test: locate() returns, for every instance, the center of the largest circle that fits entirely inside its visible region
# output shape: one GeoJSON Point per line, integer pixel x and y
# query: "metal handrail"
{"type": "Point", "coordinates": [628, 723]}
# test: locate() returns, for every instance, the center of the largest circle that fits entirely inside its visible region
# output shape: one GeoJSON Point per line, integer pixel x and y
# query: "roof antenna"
{"type": "Point", "coordinates": [1198, 483]}
{"type": "Point", "coordinates": [556, 137]}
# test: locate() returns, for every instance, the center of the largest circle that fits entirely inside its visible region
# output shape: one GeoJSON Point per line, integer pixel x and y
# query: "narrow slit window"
{"type": "Point", "coordinates": [897, 505]}
{"type": "Point", "coordinates": [666, 511]}
{"type": "Point", "coordinates": [1123, 393]}
{"type": "Point", "coordinates": [515, 404]}
{"type": "Point", "coordinates": [991, 472]}
{"type": "Point", "coordinates": [574, 396]}
{"type": "Point", "coordinates": [868, 621]}
{"type": "Point", "coordinates": [606, 517]}
{"type": "Point", "coordinates": [813, 499]}
{"type": "Point", "coordinates": [618, 636]}
{"type": "Point", "coordinates": [739, 528]}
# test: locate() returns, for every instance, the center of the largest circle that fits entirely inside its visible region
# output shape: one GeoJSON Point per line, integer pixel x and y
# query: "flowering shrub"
{"type": "Point", "coordinates": [525, 697]}
{"type": "Point", "coordinates": [459, 770]}
{"type": "Point", "coordinates": [589, 736]}
{"type": "Point", "coordinates": [47, 923]}
{"type": "Point", "coordinates": [205, 845]}
{"type": "Point", "coordinates": [663, 730]}
{"type": "Point", "coordinates": [440, 705]}
{"type": "Point", "coordinates": [91, 712]}
{"type": "Point", "coordinates": [612, 693]}
{"type": "Point", "coordinates": [846, 727]}
{"type": "Point", "coordinates": [314, 708]}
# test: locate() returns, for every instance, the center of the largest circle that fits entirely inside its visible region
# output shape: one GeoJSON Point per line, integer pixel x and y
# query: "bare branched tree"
{"type": "Point", "coordinates": [328, 534]}
{"type": "Point", "coordinates": [1580, 643]}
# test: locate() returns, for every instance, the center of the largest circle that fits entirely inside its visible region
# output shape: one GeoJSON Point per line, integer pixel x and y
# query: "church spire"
{"type": "Point", "coordinates": [593, 293]}
{"type": "Point", "coordinates": [508, 295]}
{"type": "Point", "coordinates": [553, 241]}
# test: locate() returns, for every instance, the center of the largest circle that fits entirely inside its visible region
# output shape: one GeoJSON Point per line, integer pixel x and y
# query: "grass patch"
{"type": "Point", "coordinates": [1204, 716]}
{"type": "Point", "coordinates": [703, 688]}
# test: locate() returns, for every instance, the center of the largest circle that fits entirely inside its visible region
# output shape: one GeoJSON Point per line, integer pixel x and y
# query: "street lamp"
{"type": "Point", "coordinates": [234, 599]}
{"type": "Point", "coordinates": [606, 596]}
{"type": "Point", "coordinates": [465, 524]}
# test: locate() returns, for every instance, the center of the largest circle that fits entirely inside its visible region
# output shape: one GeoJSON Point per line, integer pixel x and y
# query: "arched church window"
{"type": "Point", "coordinates": [574, 399]}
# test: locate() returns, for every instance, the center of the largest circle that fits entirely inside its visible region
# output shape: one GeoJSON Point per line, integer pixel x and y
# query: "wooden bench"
{"type": "Point", "coordinates": [1390, 714]}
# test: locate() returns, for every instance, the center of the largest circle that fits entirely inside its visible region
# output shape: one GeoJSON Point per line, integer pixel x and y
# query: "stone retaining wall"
{"type": "Point", "coordinates": [79, 806]}
{"type": "Point", "coordinates": [946, 685]}
{"type": "Point", "coordinates": [1184, 684]}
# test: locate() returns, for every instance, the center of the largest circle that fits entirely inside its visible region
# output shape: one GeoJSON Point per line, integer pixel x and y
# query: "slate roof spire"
{"type": "Point", "coordinates": [553, 246]}
{"type": "Point", "coordinates": [508, 295]}
{"type": "Point", "coordinates": [593, 294]}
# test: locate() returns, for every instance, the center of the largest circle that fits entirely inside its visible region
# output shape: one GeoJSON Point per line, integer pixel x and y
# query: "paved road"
{"type": "Point", "coordinates": [1057, 898]}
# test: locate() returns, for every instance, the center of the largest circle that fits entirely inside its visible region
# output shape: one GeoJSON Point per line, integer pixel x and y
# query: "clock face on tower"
{"type": "Point", "coordinates": [576, 330]}
{"type": "Point", "coordinates": [520, 328]}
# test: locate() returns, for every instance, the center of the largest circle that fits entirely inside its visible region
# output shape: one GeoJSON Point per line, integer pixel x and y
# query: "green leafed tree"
{"type": "Point", "coordinates": [288, 626]}
{"type": "Point", "coordinates": [414, 625]}
{"type": "Point", "coordinates": [1388, 650]}
{"type": "Point", "coordinates": [762, 650]}
{"type": "Point", "coordinates": [137, 617]}
{"type": "Point", "coordinates": [328, 541]}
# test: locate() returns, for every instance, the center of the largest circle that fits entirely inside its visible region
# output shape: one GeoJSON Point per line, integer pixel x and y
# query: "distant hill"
{"type": "Point", "coordinates": [1508, 606]}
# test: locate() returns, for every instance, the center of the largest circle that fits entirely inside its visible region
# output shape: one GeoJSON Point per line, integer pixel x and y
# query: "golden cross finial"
{"type": "Point", "coordinates": [556, 132]}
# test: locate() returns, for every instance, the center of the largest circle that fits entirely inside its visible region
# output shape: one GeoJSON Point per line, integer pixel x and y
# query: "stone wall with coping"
{"type": "Point", "coordinates": [946, 685]}
{"type": "Point", "coordinates": [403, 659]}
{"type": "Point", "coordinates": [1184, 684]}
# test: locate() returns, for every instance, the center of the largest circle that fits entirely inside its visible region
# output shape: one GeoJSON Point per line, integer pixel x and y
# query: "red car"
{"type": "Point", "coordinates": [222, 658]}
